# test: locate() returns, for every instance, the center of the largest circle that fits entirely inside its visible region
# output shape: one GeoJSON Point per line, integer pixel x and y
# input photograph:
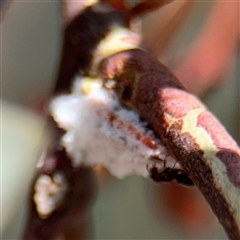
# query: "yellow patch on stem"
{"type": "Point", "coordinates": [119, 39]}
{"type": "Point", "coordinates": [206, 144]}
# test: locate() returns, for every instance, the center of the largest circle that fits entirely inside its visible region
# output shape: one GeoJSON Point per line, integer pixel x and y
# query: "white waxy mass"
{"type": "Point", "coordinates": [100, 131]}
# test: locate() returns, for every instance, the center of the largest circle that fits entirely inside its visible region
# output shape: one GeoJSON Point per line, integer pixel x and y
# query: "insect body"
{"type": "Point", "coordinates": [170, 174]}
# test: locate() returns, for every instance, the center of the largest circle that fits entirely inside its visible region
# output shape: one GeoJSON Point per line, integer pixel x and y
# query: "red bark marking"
{"type": "Point", "coordinates": [178, 102]}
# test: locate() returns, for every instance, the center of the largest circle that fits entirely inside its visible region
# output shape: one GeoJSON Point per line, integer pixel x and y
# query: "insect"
{"type": "Point", "coordinates": [169, 174]}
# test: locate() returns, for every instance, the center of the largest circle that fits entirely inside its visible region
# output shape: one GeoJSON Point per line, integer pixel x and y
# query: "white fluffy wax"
{"type": "Point", "coordinates": [92, 139]}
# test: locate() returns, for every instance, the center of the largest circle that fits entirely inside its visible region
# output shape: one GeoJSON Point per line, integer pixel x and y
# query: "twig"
{"type": "Point", "coordinates": [50, 218]}
{"type": "Point", "coordinates": [200, 143]}
{"type": "Point", "coordinates": [61, 195]}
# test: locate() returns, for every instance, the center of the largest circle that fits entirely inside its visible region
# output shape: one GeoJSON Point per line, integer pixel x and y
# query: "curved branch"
{"type": "Point", "coordinates": [199, 142]}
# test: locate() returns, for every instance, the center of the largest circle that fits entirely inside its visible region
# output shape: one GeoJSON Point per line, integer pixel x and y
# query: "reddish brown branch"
{"type": "Point", "coordinates": [190, 132]}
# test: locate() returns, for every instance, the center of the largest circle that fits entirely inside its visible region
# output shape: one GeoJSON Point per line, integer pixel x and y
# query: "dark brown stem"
{"type": "Point", "coordinates": [69, 218]}
{"type": "Point", "coordinates": [74, 208]}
